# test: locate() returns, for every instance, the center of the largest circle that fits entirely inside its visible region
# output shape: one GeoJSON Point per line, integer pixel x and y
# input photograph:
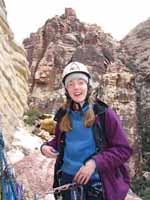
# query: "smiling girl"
{"type": "Point", "coordinates": [90, 140]}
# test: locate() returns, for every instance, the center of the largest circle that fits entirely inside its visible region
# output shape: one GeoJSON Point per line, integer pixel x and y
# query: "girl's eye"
{"type": "Point", "coordinates": [81, 82]}
{"type": "Point", "coordinates": [70, 84]}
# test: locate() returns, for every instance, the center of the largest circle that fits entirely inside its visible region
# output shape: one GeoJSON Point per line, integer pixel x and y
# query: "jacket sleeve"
{"type": "Point", "coordinates": [117, 150]}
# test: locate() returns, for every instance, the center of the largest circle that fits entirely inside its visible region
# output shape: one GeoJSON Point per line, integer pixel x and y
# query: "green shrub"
{"type": "Point", "coordinates": [31, 116]}
{"type": "Point", "coordinates": [141, 187]}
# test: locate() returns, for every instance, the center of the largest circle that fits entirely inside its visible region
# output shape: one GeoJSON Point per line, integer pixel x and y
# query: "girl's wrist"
{"type": "Point", "coordinates": [91, 162]}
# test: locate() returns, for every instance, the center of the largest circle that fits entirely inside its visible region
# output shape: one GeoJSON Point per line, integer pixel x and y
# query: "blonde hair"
{"type": "Point", "coordinates": [89, 117]}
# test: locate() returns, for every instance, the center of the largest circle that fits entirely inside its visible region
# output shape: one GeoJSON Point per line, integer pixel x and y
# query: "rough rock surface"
{"type": "Point", "coordinates": [35, 172]}
{"type": "Point", "coordinates": [137, 48]}
{"type": "Point", "coordinates": [14, 75]}
{"type": "Point", "coordinates": [118, 91]}
{"type": "Point", "coordinates": [3, 13]}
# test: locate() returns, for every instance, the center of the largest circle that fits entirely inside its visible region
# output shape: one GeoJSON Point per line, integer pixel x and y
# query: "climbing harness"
{"type": "Point", "coordinates": [77, 191]}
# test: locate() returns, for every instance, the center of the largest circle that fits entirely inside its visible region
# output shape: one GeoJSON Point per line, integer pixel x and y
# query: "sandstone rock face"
{"type": "Point", "coordinates": [119, 92]}
{"type": "Point", "coordinates": [136, 45]}
{"type": "Point", "coordinates": [3, 13]}
{"type": "Point", "coordinates": [14, 76]}
{"type": "Point", "coordinates": [54, 45]}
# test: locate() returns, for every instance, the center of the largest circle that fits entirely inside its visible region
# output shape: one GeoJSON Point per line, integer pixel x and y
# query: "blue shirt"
{"type": "Point", "coordinates": [79, 144]}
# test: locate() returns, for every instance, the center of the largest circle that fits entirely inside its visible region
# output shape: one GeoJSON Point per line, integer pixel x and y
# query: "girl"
{"type": "Point", "coordinates": [90, 145]}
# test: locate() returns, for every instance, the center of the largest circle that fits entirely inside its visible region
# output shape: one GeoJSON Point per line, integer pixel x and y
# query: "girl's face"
{"type": "Point", "coordinates": [77, 89]}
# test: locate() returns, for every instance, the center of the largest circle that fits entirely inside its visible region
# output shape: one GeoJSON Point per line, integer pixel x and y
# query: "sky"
{"type": "Point", "coordinates": [116, 17]}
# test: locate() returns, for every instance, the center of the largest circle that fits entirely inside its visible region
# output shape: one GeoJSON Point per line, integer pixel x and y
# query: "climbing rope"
{"type": "Point", "coordinates": [6, 174]}
{"type": "Point", "coordinates": [9, 188]}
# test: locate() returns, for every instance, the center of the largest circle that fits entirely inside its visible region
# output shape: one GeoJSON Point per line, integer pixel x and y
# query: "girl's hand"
{"type": "Point", "coordinates": [85, 172]}
{"type": "Point", "coordinates": [49, 151]}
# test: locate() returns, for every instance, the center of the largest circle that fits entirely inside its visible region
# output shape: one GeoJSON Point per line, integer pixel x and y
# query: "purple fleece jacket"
{"type": "Point", "coordinates": [111, 160]}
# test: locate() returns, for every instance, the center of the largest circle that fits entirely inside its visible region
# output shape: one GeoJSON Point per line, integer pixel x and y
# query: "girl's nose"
{"type": "Point", "coordinates": [76, 85]}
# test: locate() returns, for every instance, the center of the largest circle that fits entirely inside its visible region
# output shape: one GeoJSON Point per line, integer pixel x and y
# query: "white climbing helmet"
{"type": "Point", "coordinates": [75, 67]}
